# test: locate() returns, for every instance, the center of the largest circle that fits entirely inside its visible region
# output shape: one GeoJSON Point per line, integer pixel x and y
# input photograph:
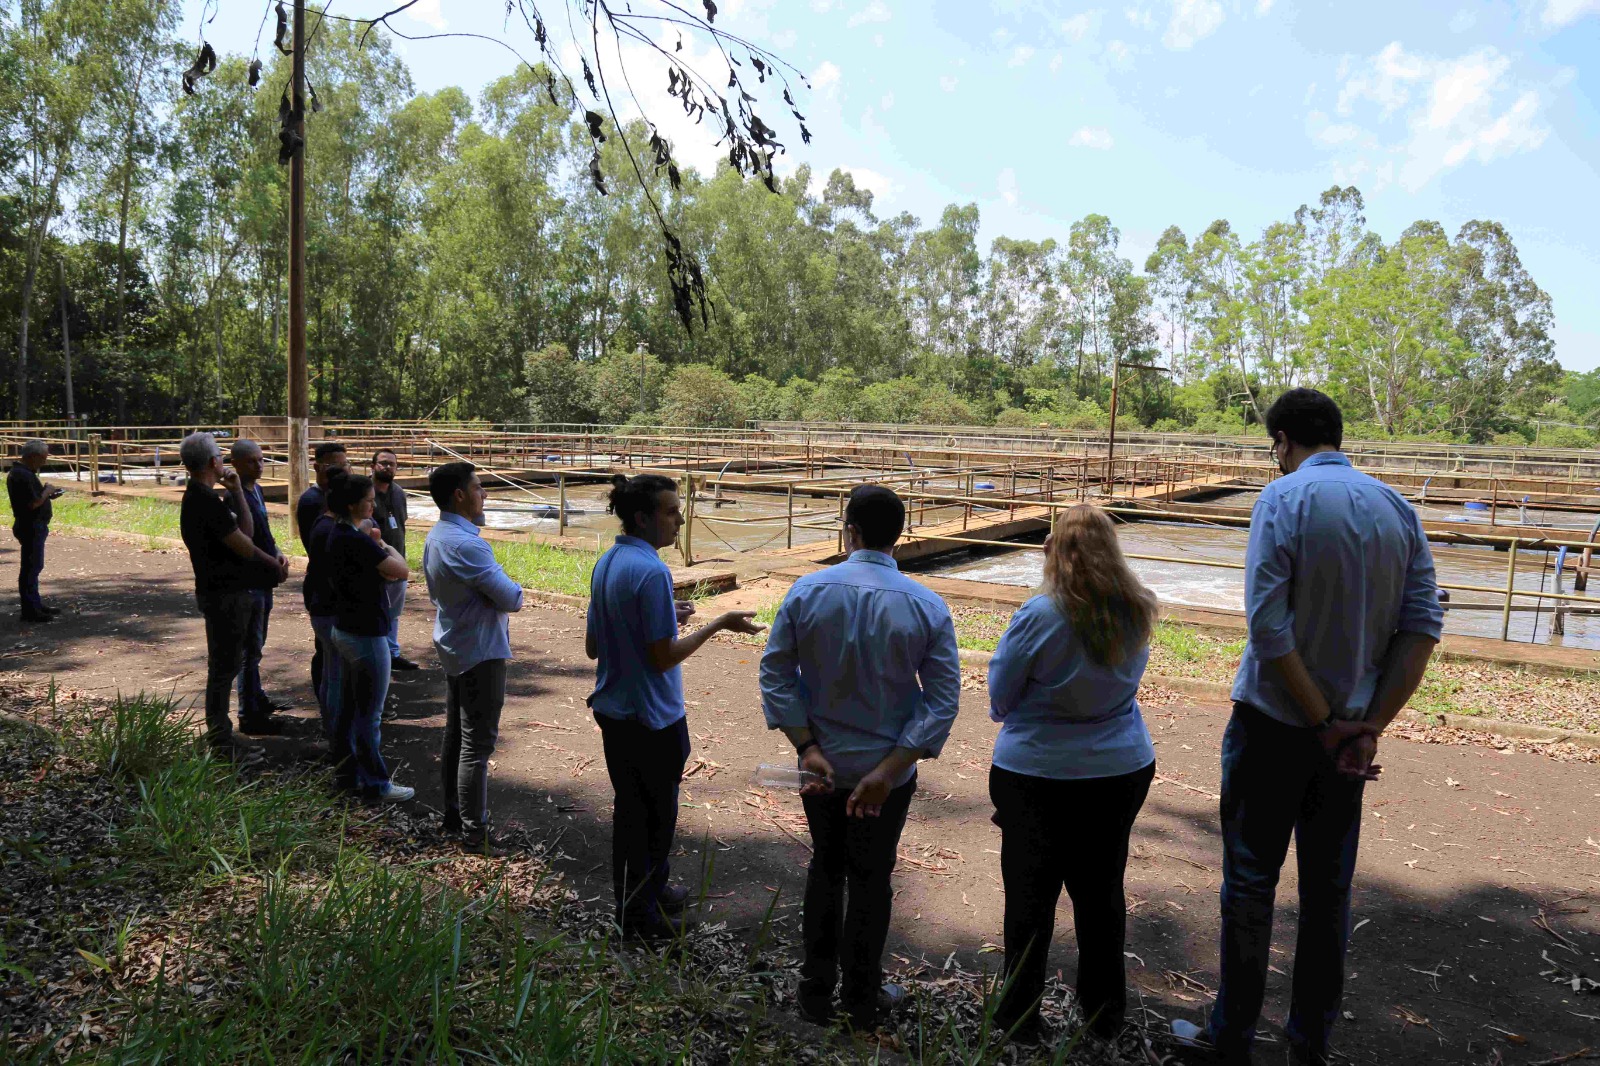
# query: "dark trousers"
{"type": "Point", "coordinates": [1276, 782]}
{"type": "Point", "coordinates": [227, 616]}
{"type": "Point", "coordinates": [322, 626]}
{"type": "Point", "coordinates": [473, 699]}
{"type": "Point", "coordinates": [252, 700]}
{"type": "Point", "coordinates": [30, 564]}
{"type": "Point", "coordinates": [645, 766]}
{"type": "Point", "coordinates": [854, 856]}
{"type": "Point", "coordinates": [1072, 833]}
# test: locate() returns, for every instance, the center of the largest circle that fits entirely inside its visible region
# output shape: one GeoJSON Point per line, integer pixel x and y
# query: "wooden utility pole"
{"type": "Point", "coordinates": [299, 400]}
{"type": "Point", "coordinates": [66, 340]}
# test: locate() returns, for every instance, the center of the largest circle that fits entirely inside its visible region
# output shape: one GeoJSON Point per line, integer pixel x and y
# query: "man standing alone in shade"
{"type": "Point", "coordinates": [472, 596]}
{"type": "Point", "coordinates": [255, 708]}
{"type": "Point", "coordinates": [30, 524]}
{"type": "Point", "coordinates": [1343, 611]}
{"type": "Point", "coordinates": [389, 512]}
{"type": "Point", "coordinates": [862, 674]}
{"type": "Point", "coordinates": [308, 511]}
{"type": "Point", "coordinates": [226, 563]}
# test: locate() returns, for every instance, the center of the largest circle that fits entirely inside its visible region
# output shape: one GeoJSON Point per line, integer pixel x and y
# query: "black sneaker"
{"type": "Point", "coordinates": [269, 726]}
{"type": "Point", "coordinates": [400, 662]}
{"type": "Point", "coordinates": [33, 619]}
{"type": "Point", "coordinates": [452, 822]}
{"type": "Point", "coordinates": [653, 929]}
{"type": "Point", "coordinates": [276, 703]}
{"type": "Point", "coordinates": [890, 1000]}
{"type": "Point", "coordinates": [674, 899]}
{"type": "Point", "coordinates": [490, 847]}
{"type": "Point", "coordinates": [53, 612]}
{"type": "Point", "coordinates": [817, 1012]}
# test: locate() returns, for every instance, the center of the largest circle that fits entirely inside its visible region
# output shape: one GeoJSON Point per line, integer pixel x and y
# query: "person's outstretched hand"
{"type": "Point", "coordinates": [741, 622]}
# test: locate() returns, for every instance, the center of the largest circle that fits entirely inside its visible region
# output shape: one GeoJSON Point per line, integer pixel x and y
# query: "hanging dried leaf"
{"type": "Point", "coordinates": [596, 131]}
{"type": "Point", "coordinates": [316, 104]}
{"type": "Point", "coordinates": [204, 64]}
{"type": "Point", "coordinates": [255, 72]}
{"type": "Point", "coordinates": [711, 11]}
{"type": "Point", "coordinates": [595, 175]}
{"type": "Point", "coordinates": [282, 39]}
{"type": "Point", "coordinates": [588, 76]}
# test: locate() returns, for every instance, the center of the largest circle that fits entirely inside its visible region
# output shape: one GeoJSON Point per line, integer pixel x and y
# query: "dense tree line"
{"type": "Point", "coordinates": [461, 264]}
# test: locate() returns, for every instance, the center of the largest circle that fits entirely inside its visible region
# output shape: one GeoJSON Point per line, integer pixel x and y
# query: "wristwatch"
{"type": "Point", "coordinates": [806, 746]}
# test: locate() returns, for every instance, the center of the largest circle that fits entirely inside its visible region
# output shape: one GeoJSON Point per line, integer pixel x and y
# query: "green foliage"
{"type": "Point", "coordinates": [456, 270]}
{"type": "Point", "coordinates": [136, 735]}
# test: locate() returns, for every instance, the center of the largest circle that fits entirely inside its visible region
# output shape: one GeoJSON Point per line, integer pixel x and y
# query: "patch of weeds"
{"type": "Point", "coordinates": [137, 735]}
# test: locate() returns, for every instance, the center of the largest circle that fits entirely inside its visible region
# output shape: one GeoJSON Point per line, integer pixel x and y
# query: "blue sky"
{"type": "Point", "coordinates": [1160, 112]}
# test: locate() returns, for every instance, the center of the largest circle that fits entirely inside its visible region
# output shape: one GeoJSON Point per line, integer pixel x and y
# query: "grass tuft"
{"type": "Point", "coordinates": [136, 735]}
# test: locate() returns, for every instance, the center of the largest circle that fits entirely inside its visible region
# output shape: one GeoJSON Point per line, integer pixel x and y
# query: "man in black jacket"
{"type": "Point", "coordinates": [30, 524]}
{"type": "Point", "coordinates": [226, 564]}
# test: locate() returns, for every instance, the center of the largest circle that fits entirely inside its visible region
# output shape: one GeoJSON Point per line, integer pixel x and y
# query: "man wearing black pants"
{"type": "Point", "coordinates": [30, 524]}
{"type": "Point", "coordinates": [226, 563]}
{"type": "Point", "coordinates": [638, 696]}
{"type": "Point", "coordinates": [862, 675]}
{"type": "Point", "coordinates": [472, 596]}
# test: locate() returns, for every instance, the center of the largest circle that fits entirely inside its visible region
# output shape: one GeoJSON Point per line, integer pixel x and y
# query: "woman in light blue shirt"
{"type": "Point", "coordinates": [1072, 766]}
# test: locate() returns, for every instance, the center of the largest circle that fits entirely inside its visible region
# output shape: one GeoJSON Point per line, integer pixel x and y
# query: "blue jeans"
{"type": "Point", "coordinates": [1278, 781]}
{"type": "Point", "coordinates": [358, 704]}
{"type": "Point", "coordinates": [30, 564]}
{"type": "Point", "coordinates": [325, 665]}
{"type": "Point", "coordinates": [395, 594]}
{"type": "Point", "coordinates": [252, 700]}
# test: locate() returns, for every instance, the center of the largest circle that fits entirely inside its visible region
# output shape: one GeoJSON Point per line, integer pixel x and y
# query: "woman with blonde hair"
{"type": "Point", "coordinates": [1072, 766]}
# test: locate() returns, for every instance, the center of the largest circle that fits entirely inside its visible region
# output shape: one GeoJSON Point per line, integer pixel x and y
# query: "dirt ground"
{"type": "Point", "coordinates": [1478, 892]}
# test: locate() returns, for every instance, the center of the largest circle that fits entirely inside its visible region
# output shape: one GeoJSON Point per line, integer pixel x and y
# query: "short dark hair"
{"type": "Point", "coordinates": [329, 447]}
{"type": "Point", "coordinates": [1307, 417]}
{"type": "Point", "coordinates": [347, 490]}
{"type": "Point", "coordinates": [445, 480]}
{"type": "Point", "coordinates": [878, 513]}
{"type": "Point", "coordinates": [385, 451]}
{"type": "Point", "coordinates": [632, 495]}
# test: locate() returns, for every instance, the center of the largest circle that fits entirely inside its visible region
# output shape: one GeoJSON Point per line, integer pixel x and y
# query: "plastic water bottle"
{"type": "Point", "coordinates": [770, 776]}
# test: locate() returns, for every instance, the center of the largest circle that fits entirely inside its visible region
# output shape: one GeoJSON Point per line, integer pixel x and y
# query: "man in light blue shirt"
{"type": "Point", "coordinates": [632, 632]}
{"type": "Point", "coordinates": [1344, 613]}
{"type": "Point", "coordinates": [862, 674]}
{"type": "Point", "coordinates": [472, 596]}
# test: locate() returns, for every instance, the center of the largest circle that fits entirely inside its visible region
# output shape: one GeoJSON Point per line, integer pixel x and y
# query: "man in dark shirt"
{"type": "Point", "coordinates": [389, 513]}
{"type": "Point", "coordinates": [255, 708]}
{"type": "Point", "coordinates": [226, 562]}
{"type": "Point", "coordinates": [30, 523]}
{"type": "Point", "coordinates": [312, 505]}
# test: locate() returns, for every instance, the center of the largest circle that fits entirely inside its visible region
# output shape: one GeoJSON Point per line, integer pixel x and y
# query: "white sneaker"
{"type": "Point", "coordinates": [393, 793]}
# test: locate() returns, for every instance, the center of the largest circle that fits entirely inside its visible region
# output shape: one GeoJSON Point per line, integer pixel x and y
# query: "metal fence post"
{"type": "Point", "coordinates": [94, 463]}
{"type": "Point", "coordinates": [561, 514]}
{"type": "Point", "coordinates": [1511, 584]}
{"type": "Point", "coordinates": [789, 522]}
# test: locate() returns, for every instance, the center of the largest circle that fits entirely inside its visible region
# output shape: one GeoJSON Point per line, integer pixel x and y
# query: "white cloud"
{"type": "Point", "coordinates": [1560, 13]}
{"type": "Point", "coordinates": [1096, 137]}
{"type": "Point", "coordinates": [947, 82]}
{"type": "Point", "coordinates": [887, 102]}
{"type": "Point", "coordinates": [1120, 55]}
{"type": "Point", "coordinates": [1006, 183]}
{"type": "Point", "coordinates": [1001, 37]}
{"type": "Point", "coordinates": [427, 12]}
{"type": "Point", "coordinates": [1080, 25]}
{"type": "Point", "coordinates": [1452, 111]}
{"type": "Point", "coordinates": [875, 11]}
{"type": "Point", "coordinates": [1141, 18]}
{"type": "Point", "coordinates": [784, 39]}
{"type": "Point", "coordinates": [1020, 55]}
{"type": "Point", "coordinates": [1055, 62]}
{"type": "Point", "coordinates": [877, 40]}
{"type": "Point", "coordinates": [822, 7]}
{"type": "Point", "coordinates": [1192, 22]}
{"type": "Point", "coordinates": [825, 79]}
{"type": "Point", "coordinates": [1264, 7]}
{"type": "Point", "coordinates": [1463, 20]}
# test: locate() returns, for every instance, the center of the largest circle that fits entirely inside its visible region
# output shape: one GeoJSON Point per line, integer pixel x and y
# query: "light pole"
{"type": "Point", "coordinates": [299, 401]}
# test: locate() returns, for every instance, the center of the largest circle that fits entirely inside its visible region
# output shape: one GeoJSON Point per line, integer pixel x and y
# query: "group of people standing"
{"type": "Point", "coordinates": [861, 673]}
{"type": "Point", "coordinates": [353, 529]}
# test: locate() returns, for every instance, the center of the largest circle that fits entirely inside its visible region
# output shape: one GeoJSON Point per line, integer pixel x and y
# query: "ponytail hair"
{"type": "Point", "coordinates": [345, 490]}
{"type": "Point", "coordinates": [1089, 579]}
{"type": "Point", "coordinates": [632, 496]}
